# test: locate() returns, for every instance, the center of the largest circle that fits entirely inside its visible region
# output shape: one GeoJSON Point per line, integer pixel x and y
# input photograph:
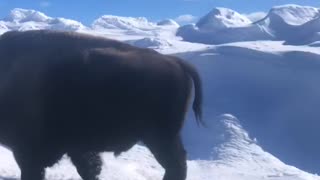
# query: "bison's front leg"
{"type": "Point", "coordinates": [170, 153]}
{"type": "Point", "coordinates": [88, 164]}
{"type": "Point", "coordinates": [30, 166]}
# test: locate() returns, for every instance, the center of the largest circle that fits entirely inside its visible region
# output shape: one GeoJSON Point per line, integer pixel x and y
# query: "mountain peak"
{"type": "Point", "coordinates": [24, 15]}
{"type": "Point", "coordinates": [168, 22]}
{"type": "Point", "coordinates": [28, 19]}
{"type": "Point", "coordinates": [293, 14]}
{"type": "Point", "coordinates": [232, 129]}
{"type": "Point", "coordinates": [221, 18]}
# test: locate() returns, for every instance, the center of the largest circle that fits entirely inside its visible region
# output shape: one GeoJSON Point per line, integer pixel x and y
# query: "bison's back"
{"type": "Point", "coordinates": [43, 39]}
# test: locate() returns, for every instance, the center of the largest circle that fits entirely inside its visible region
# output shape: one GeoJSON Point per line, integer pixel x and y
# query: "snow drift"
{"type": "Point", "coordinates": [273, 87]}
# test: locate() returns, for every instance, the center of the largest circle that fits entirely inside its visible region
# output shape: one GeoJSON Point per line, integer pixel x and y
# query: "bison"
{"type": "Point", "coordinates": [76, 94]}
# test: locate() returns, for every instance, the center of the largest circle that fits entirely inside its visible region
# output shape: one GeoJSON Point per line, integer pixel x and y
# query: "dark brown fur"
{"type": "Point", "coordinates": [63, 92]}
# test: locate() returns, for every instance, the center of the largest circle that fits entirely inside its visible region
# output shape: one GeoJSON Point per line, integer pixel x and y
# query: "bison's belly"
{"type": "Point", "coordinates": [93, 142]}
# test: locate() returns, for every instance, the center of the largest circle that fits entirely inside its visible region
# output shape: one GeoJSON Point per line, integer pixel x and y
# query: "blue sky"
{"type": "Point", "coordinates": [87, 11]}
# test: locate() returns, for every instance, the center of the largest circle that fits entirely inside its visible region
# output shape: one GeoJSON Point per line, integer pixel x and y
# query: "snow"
{"type": "Point", "coordinates": [3, 27]}
{"type": "Point", "coordinates": [168, 22]}
{"type": "Point", "coordinates": [65, 24]}
{"type": "Point", "coordinates": [186, 19]}
{"type": "Point", "coordinates": [315, 44]}
{"type": "Point", "coordinates": [268, 81]}
{"type": "Point", "coordinates": [236, 156]}
{"type": "Point", "coordinates": [291, 23]}
{"type": "Point", "coordinates": [255, 16]}
{"type": "Point", "coordinates": [293, 14]}
{"type": "Point", "coordinates": [151, 43]}
{"type": "Point", "coordinates": [26, 19]}
{"type": "Point", "coordinates": [221, 18]}
{"type": "Point", "coordinates": [223, 25]}
{"type": "Point", "coordinates": [247, 33]}
{"type": "Point", "coordinates": [23, 15]}
{"type": "Point", "coordinates": [125, 23]}
{"type": "Point", "coordinates": [264, 72]}
{"type": "Point", "coordinates": [294, 24]}
{"type": "Point", "coordinates": [272, 47]}
{"type": "Point", "coordinates": [133, 28]}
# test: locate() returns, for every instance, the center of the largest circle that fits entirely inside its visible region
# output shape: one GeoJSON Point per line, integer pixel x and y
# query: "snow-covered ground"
{"type": "Point", "coordinates": [265, 72]}
{"type": "Point", "coordinates": [234, 156]}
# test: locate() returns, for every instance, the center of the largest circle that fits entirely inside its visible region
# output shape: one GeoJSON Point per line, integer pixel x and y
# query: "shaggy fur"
{"type": "Point", "coordinates": [63, 92]}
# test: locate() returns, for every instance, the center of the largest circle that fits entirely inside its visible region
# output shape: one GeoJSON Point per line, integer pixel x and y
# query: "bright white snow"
{"type": "Point", "coordinates": [221, 18]}
{"type": "Point", "coordinates": [294, 14]}
{"type": "Point", "coordinates": [24, 19]}
{"type": "Point", "coordinates": [223, 25]}
{"type": "Point", "coordinates": [291, 23]}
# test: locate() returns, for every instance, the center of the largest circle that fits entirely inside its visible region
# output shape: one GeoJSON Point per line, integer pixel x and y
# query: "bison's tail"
{"type": "Point", "coordinates": [197, 103]}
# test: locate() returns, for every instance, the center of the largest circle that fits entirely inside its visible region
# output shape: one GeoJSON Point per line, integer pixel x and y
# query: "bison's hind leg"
{"type": "Point", "coordinates": [88, 164]}
{"type": "Point", "coordinates": [31, 171]}
{"type": "Point", "coordinates": [171, 155]}
{"type": "Point", "coordinates": [31, 167]}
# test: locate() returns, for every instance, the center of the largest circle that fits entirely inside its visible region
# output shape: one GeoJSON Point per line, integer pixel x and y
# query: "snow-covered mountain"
{"type": "Point", "coordinates": [23, 19]}
{"type": "Point", "coordinates": [234, 156]}
{"type": "Point", "coordinates": [135, 28]}
{"type": "Point", "coordinates": [292, 14]}
{"type": "Point", "coordinates": [222, 18]}
{"type": "Point", "coordinates": [19, 15]}
{"type": "Point", "coordinates": [291, 23]}
{"type": "Point", "coordinates": [258, 73]}
{"type": "Point", "coordinates": [223, 25]}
